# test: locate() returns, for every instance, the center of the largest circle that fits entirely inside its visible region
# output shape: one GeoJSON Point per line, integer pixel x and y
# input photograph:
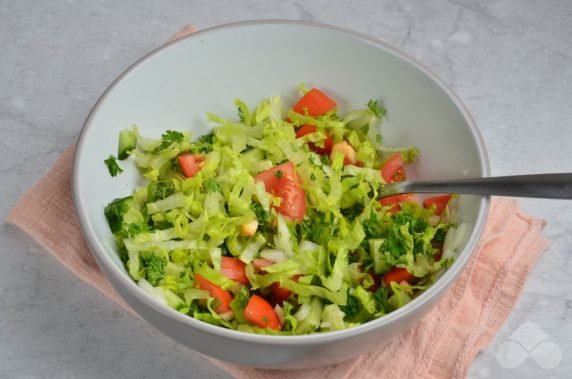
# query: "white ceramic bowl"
{"type": "Point", "coordinates": [173, 87]}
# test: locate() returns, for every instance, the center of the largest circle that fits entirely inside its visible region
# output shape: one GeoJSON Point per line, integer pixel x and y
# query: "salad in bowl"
{"type": "Point", "coordinates": [273, 224]}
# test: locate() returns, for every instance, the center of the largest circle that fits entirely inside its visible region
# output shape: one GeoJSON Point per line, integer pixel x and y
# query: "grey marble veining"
{"type": "Point", "coordinates": [509, 60]}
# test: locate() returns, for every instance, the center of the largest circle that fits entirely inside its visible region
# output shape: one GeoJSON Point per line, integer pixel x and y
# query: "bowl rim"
{"type": "Point", "coordinates": [448, 277]}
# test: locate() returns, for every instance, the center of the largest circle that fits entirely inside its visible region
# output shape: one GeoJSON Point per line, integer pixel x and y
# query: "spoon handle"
{"type": "Point", "coordinates": [548, 186]}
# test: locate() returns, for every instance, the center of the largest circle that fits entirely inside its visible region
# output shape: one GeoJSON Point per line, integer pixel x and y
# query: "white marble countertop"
{"type": "Point", "coordinates": [509, 60]}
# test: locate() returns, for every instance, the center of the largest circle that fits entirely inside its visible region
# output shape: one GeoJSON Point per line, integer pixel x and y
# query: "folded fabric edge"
{"type": "Point", "coordinates": [23, 216]}
{"type": "Point", "coordinates": [502, 309]}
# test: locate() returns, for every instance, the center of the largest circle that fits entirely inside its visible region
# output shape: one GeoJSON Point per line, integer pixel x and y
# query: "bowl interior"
{"type": "Point", "coordinates": [174, 87]}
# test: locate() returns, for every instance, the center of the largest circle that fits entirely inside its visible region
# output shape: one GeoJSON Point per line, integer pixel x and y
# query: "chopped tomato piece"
{"type": "Point", "coordinates": [233, 268]}
{"type": "Point", "coordinates": [282, 181]}
{"type": "Point", "coordinates": [392, 170]}
{"type": "Point", "coordinates": [397, 274]}
{"type": "Point", "coordinates": [314, 103]}
{"type": "Point", "coordinates": [190, 164]}
{"type": "Point", "coordinates": [440, 202]}
{"type": "Point", "coordinates": [279, 294]}
{"type": "Point", "coordinates": [223, 297]}
{"type": "Point", "coordinates": [309, 129]}
{"type": "Point", "coordinates": [396, 201]}
{"type": "Point", "coordinates": [259, 312]}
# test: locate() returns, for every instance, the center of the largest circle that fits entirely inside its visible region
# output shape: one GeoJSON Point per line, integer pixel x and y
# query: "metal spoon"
{"type": "Point", "coordinates": [548, 186]}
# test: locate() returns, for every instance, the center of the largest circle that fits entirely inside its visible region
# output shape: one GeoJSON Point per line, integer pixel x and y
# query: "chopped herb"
{"type": "Point", "coordinates": [211, 185]}
{"type": "Point", "coordinates": [203, 145]}
{"type": "Point", "coordinates": [260, 213]}
{"type": "Point", "coordinates": [168, 138]}
{"type": "Point", "coordinates": [440, 235]}
{"type": "Point", "coordinates": [159, 190]}
{"type": "Point", "coordinates": [352, 307]}
{"type": "Point", "coordinates": [380, 298]}
{"type": "Point", "coordinates": [112, 166]}
{"type": "Point", "coordinates": [239, 303]}
{"type": "Point", "coordinates": [316, 230]}
{"type": "Point", "coordinates": [377, 109]}
{"type": "Point", "coordinates": [373, 226]}
{"type": "Point", "coordinates": [352, 212]}
{"type": "Point", "coordinates": [207, 138]}
{"type": "Point", "coordinates": [279, 174]}
{"type": "Point", "coordinates": [154, 268]}
{"type": "Point", "coordinates": [133, 229]}
{"type": "Point", "coordinates": [262, 216]}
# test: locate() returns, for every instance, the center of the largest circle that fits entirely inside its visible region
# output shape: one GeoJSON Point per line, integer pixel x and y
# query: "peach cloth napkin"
{"type": "Point", "coordinates": [442, 345]}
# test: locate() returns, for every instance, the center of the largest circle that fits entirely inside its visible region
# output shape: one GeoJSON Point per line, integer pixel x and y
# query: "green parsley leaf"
{"type": "Point", "coordinates": [262, 216]}
{"type": "Point", "coordinates": [154, 268]}
{"type": "Point", "coordinates": [203, 145]}
{"type": "Point", "coordinates": [260, 213]}
{"type": "Point", "coordinates": [207, 138]}
{"type": "Point", "coordinates": [380, 297]}
{"type": "Point", "coordinates": [353, 212]}
{"type": "Point", "coordinates": [352, 307]}
{"type": "Point", "coordinates": [440, 235]}
{"type": "Point", "coordinates": [112, 166]}
{"type": "Point", "coordinates": [316, 230]}
{"type": "Point", "coordinates": [279, 174]}
{"type": "Point", "coordinates": [133, 229]}
{"type": "Point", "coordinates": [211, 185]}
{"type": "Point", "coordinates": [159, 190]}
{"type": "Point", "coordinates": [373, 226]}
{"type": "Point", "coordinates": [167, 139]}
{"type": "Point", "coordinates": [239, 303]}
{"type": "Point", "coordinates": [377, 109]}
